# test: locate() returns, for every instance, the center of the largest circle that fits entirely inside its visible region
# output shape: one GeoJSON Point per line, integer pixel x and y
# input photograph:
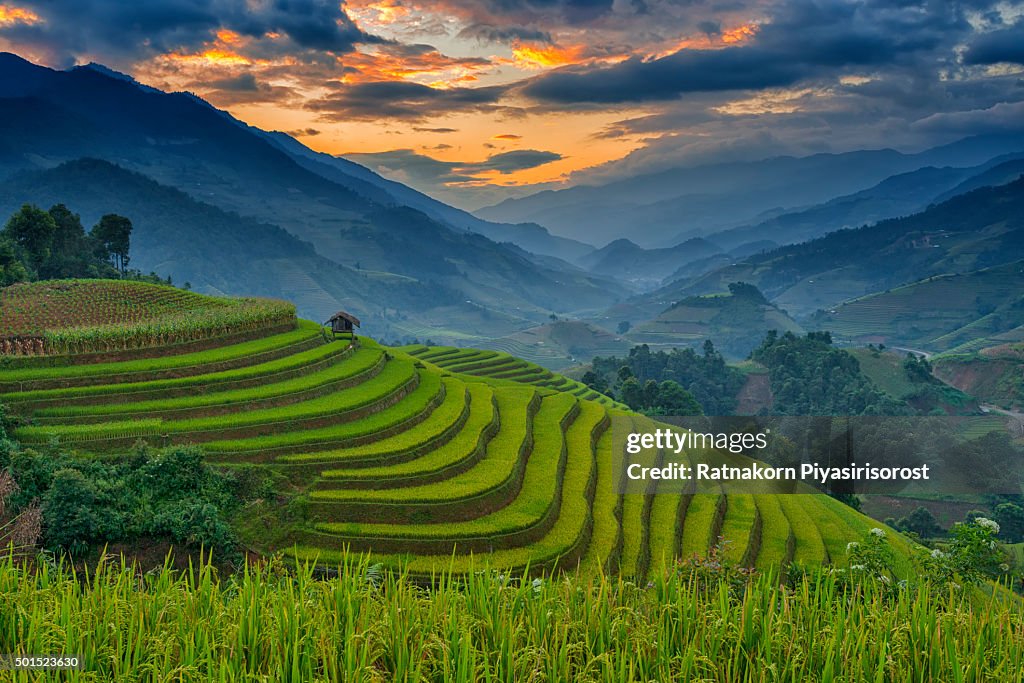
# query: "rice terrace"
{"type": "Point", "coordinates": [431, 455]}
{"type": "Point", "coordinates": [439, 464]}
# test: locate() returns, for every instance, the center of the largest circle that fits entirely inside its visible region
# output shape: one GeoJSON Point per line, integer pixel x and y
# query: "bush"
{"type": "Point", "coordinates": [972, 556]}
{"type": "Point", "coordinates": [154, 493]}
{"type": "Point", "coordinates": [69, 512]}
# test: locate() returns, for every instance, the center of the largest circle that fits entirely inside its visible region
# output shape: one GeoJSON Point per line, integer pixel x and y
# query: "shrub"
{"type": "Point", "coordinates": [69, 514]}
{"type": "Point", "coordinates": [972, 555]}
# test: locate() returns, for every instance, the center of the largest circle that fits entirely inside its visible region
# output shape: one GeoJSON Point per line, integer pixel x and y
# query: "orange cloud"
{"type": "Point", "coordinates": [507, 136]}
{"type": "Point", "coordinates": [429, 67]}
{"type": "Point", "coordinates": [532, 56]}
{"type": "Point", "coordinates": [377, 14]}
{"type": "Point", "coordinates": [212, 56]}
{"type": "Point", "coordinates": [740, 34]}
{"type": "Point", "coordinates": [228, 37]}
{"type": "Point", "coordinates": [732, 36]}
{"type": "Point", "coordinates": [10, 15]}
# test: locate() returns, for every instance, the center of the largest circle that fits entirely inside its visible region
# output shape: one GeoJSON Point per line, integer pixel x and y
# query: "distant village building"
{"type": "Point", "coordinates": [343, 323]}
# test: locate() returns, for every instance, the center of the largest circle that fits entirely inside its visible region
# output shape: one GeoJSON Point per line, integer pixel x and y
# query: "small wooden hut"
{"type": "Point", "coordinates": [343, 323]}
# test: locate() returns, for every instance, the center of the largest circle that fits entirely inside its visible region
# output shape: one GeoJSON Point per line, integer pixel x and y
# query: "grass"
{"type": "Point", "coordinates": [501, 365]}
{"type": "Point", "coordinates": [605, 536]}
{"type": "Point", "coordinates": [395, 375]}
{"type": "Point", "coordinates": [540, 482]}
{"type": "Point", "coordinates": [139, 368]}
{"type": "Point", "coordinates": [482, 417]}
{"type": "Point", "coordinates": [738, 525]}
{"type": "Point", "coordinates": [809, 548]}
{"type": "Point", "coordinates": [697, 525]}
{"type": "Point", "coordinates": [372, 427]}
{"type": "Point", "coordinates": [634, 536]}
{"type": "Point", "coordinates": [499, 465]}
{"type": "Point", "coordinates": [562, 544]}
{"type": "Point", "coordinates": [425, 435]}
{"type": "Point", "coordinates": [362, 361]}
{"type": "Point", "coordinates": [486, 452]}
{"type": "Point", "coordinates": [775, 532]}
{"type": "Point", "coordinates": [366, 625]}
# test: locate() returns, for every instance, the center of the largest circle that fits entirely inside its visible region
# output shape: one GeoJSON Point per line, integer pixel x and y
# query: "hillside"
{"type": "Point", "coordinates": [422, 454]}
{"type": "Point", "coordinates": [644, 268]}
{"type": "Point", "coordinates": [529, 236]}
{"type": "Point", "coordinates": [898, 195]}
{"type": "Point", "coordinates": [349, 219]}
{"type": "Point", "coordinates": [925, 393]}
{"type": "Point", "coordinates": [736, 322]}
{"type": "Point", "coordinates": [560, 344]}
{"type": "Point", "coordinates": [941, 313]}
{"type": "Point", "coordinates": [972, 231]}
{"type": "Point", "coordinates": [995, 374]}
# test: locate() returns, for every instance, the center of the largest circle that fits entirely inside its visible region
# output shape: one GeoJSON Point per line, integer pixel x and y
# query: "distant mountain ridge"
{"type": "Point", "coordinates": [979, 229]}
{"type": "Point", "coordinates": [664, 208]}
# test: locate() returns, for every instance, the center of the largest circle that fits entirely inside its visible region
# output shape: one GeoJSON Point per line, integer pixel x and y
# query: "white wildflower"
{"type": "Point", "coordinates": [852, 546]}
{"type": "Point", "coordinates": [986, 523]}
{"type": "Point", "coordinates": [938, 554]}
{"type": "Point", "coordinates": [857, 567]}
{"type": "Point", "coordinates": [877, 533]}
{"type": "Point", "coordinates": [883, 578]}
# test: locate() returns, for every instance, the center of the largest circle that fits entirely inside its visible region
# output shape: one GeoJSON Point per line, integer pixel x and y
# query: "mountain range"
{"type": "Point", "coordinates": [665, 208]}
{"type": "Point", "coordinates": [373, 240]}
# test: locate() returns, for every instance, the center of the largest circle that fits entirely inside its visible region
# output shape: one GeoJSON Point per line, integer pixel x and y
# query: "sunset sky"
{"type": "Point", "coordinates": [477, 100]}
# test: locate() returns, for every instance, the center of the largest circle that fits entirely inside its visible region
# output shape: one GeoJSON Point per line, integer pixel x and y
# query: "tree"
{"type": "Point", "coordinates": [742, 290]}
{"type": "Point", "coordinates": [623, 327]}
{"type": "Point", "coordinates": [31, 229]}
{"type": "Point", "coordinates": [1011, 521]}
{"type": "Point", "coordinates": [113, 234]}
{"type": "Point", "coordinates": [921, 522]}
{"type": "Point", "coordinates": [675, 400]}
{"type": "Point", "coordinates": [11, 268]}
{"type": "Point", "coordinates": [68, 512]}
{"type": "Point", "coordinates": [595, 381]}
{"type": "Point", "coordinates": [71, 252]}
{"type": "Point", "coordinates": [632, 394]}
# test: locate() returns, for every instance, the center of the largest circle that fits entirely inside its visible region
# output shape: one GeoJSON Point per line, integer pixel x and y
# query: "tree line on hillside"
{"type": "Point", "coordinates": [676, 382]}
{"type": "Point", "coordinates": [45, 245]}
{"type": "Point", "coordinates": [808, 375]}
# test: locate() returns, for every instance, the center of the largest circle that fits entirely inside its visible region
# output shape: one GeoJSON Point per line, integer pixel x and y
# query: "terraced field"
{"type": "Point", "coordinates": [503, 366]}
{"type": "Point", "coordinates": [430, 456]}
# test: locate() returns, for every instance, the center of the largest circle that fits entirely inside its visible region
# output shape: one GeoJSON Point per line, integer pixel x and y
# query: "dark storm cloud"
{"type": "Point", "coordinates": [803, 40]}
{"type": "Point", "coordinates": [580, 11]}
{"type": "Point", "coordinates": [425, 171]}
{"type": "Point", "coordinates": [519, 160]}
{"type": "Point", "coordinates": [489, 33]}
{"type": "Point", "coordinates": [636, 80]}
{"type": "Point", "coordinates": [244, 89]}
{"type": "Point", "coordinates": [403, 100]}
{"type": "Point", "coordinates": [116, 29]}
{"type": "Point", "coordinates": [244, 82]}
{"type": "Point", "coordinates": [1003, 45]}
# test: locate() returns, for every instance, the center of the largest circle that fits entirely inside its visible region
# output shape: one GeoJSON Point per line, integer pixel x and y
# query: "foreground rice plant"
{"type": "Point", "coordinates": [365, 624]}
